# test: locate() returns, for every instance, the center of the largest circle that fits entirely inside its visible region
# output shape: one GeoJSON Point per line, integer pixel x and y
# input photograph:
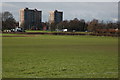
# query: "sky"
{"type": "Point", "coordinates": [106, 11]}
{"type": "Point", "coordinates": [59, 0]}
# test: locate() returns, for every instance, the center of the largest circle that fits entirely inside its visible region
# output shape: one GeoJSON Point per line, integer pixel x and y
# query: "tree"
{"type": "Point", "coordinates": [83, 26]}
{"type": "Point", "coordinates": [52, 26]}
{"type": "Point", "coordinates": [118, 24]}
{"type": "Point", "coordinates": [63, 25]}
{"type": "Point", "coordinates": [92, 26]}
{"type": "Point", "coordinates": [75, 24]}
{"type": "Point", "coordinates": [8, 21]}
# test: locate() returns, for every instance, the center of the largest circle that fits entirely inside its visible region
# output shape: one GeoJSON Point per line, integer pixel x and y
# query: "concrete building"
{"type": "Point", "coordinates": [30, 19]}
{"type": "Point", "coordinates": [55, 16]}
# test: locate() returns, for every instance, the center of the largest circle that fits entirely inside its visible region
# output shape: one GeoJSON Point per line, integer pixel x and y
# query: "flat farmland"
{"type": "Point", "coordinates": [55, 56]}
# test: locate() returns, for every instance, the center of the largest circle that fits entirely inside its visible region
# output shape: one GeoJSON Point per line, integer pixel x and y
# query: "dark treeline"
{"type": "Point", "coordinates": [81, 25]}
{"type": "Point", "coordinates": [77, 25]}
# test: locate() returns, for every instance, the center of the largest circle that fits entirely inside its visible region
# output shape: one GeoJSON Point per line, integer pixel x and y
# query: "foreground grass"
{"type": "Point", "coordinates": [0, 56]}
{"type": "Point", "coordinates": [50, 56]}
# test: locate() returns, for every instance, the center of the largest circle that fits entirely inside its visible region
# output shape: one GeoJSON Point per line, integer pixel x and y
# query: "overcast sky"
{"type": "Point", "coordinates": [107, 11]}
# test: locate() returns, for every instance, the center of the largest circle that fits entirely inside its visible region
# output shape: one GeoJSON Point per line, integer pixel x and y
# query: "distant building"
{"type": "Point", "coordinates": [30, 19]}
{"type": "Point", "coordinates": [55, 16]}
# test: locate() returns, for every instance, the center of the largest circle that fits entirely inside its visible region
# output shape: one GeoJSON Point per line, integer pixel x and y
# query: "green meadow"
{"type": "Point", "coordinates": [55, 56]}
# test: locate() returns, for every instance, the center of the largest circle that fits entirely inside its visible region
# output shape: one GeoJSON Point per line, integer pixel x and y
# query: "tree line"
{"type": "Point", "coordinates": [81, 25]}
{"type": "Point", "coordinates": [9, 22]}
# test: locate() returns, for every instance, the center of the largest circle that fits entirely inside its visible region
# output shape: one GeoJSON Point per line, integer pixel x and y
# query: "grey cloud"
{"type": "Point", "coordinates": [82, 10]}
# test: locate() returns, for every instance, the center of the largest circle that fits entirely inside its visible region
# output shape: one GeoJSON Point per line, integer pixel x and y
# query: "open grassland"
{"type": "Point", "coordinates": [51, 56]}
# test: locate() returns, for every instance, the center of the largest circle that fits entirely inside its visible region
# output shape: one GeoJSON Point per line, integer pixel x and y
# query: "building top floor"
{"type": "Point", "coordinates": [27, 9]}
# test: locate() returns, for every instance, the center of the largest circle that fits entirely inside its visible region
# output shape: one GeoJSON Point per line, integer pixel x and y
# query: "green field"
{"type": "Point", "coordinates": [51, 56]}
{"type": "Point", "coordinates": [39, 31]}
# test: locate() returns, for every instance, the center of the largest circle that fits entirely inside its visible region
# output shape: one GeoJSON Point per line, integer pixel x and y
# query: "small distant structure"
{"type": "Point", "coordinates": [7, 31]}
{"type": "Point", "coordinates": [73, 30]}
{"type": "Point", "coordinates": [64, 30]}
{"type": "Point", "coordinates": [44, 28]}
{"type": "Point", "coordinates": [18, 29]}
{"type": "Point", "coordinates": [61, 30]}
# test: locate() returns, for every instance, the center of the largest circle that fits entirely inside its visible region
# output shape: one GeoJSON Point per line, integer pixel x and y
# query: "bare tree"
{"type": "Point", "coordinates": [92, 25]}
{"type": "Point", "coordinates": [8, 21]}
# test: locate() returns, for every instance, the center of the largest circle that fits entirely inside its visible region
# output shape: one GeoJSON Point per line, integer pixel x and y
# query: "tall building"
{"type": "Point", "coordinates": [30, 19]}
{"type": "Point", "coordinates": [55, 16]}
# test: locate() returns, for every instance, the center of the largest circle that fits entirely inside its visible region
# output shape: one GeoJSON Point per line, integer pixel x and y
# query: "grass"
{"type": "Point", "coordinates": [51, 56]}
{"type": "Point", "coordinates": [7, 34]}
{"type": "Point", "coordinates": [36, 31]}
{"type": "Point", "coordinates": [0, 56]}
